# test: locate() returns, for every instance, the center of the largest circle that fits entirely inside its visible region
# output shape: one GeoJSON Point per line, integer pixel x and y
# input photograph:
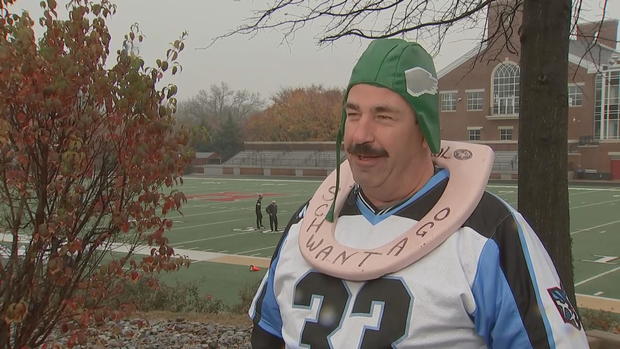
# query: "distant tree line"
{"type": "Point", "coordinates": [220, 119]}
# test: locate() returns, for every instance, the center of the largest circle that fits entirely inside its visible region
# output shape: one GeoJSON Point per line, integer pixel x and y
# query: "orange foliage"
{"type": "Point", "coordinates": [300, 114]}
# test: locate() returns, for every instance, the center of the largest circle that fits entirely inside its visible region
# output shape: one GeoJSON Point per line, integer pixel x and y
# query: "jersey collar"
{"type": "Point", "coordinates": [376, 216]}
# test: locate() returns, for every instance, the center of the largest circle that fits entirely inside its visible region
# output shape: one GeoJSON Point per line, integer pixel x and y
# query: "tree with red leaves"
{"type": "Point", "coordinates": [89, 155]}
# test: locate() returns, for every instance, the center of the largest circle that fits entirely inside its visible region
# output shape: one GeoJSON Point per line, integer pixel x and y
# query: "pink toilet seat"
{"type": "Point", "coordinates": [469, 165]}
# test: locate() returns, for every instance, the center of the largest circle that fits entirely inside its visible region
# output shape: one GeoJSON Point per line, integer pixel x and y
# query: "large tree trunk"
{"type": "Point", "coordinates": [543, 128]}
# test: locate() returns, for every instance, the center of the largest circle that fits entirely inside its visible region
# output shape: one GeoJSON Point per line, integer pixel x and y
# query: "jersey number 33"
{"type": "Point", "coordinates": [390, 294]}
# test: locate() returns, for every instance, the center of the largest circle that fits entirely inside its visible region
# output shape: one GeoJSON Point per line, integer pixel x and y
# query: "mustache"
{"type": "Point", "coordinates": [365, 149]}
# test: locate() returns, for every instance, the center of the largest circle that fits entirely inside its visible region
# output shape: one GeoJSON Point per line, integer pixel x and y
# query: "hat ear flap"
{"type": "Point", "coordinates": [339, 139]}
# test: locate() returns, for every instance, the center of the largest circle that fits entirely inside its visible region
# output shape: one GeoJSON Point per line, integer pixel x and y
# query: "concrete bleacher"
{"type": "Point", "coordinates": [293, 158]}
{"type": "Point", "coordinates": [248, 157]}
{"type": "Point", "coordinates": [506, 162]}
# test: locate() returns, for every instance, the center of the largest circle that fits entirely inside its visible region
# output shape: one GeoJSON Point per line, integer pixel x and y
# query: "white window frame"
{"type": "Point", "coordinates": [506, 128]}
{"type": "Point", "coordinates": [474, 128]}
{"type": "Point", "coordinates": [505, 100]}
{"type": "Point", "coordinates": [453, 100]}
{"type": "Point", "coordinates": [469, 93]}
{"type": "Point", "coordinates": [578, 87]}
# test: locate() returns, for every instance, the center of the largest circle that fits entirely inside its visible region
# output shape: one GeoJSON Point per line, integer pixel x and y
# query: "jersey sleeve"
{"type": "Point", "coordinates": [520, 302]}
{"type": "Point", "coordinates": [264, 310]}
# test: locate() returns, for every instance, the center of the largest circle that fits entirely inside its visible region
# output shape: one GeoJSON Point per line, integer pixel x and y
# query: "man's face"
{"type": "Point", "coordinates": [383, 141]}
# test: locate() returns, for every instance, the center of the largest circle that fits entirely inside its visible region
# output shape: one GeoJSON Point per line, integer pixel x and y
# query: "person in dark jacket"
{"type": "Point", "coordinates": [272, 211]}
{"type": "Point", "coordinates": [259, 213]}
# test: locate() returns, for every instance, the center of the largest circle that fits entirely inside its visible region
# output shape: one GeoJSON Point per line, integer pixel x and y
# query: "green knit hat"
{"type": "Point", "coordinates": [407, 69]}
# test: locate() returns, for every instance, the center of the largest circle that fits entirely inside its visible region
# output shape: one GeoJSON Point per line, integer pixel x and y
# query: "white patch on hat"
{"type": "Point", "coordinates": [420, 81]}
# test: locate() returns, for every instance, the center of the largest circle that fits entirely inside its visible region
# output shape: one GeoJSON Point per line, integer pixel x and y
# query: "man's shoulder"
{"type": "Point", "coordinates": [489, 214]}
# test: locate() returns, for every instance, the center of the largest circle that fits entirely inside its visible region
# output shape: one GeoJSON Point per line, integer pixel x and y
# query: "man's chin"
{"type": "Point", "coordinates": [364, 178]}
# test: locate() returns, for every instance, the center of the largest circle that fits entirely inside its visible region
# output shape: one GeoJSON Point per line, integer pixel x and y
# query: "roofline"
{"type": "Point", "coordinates": [572, 58]}
{"type": "Point", "coordinates": [584, 63]}
{"type": "Point", "coordinates": [459, 61]}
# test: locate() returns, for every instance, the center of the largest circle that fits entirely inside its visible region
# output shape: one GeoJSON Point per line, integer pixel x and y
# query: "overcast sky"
{"type": "Point", "coordinates": [263, 63]}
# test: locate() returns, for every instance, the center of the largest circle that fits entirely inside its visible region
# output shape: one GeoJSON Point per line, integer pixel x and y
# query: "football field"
{"type": "Point", "coordinates": [218, 221]}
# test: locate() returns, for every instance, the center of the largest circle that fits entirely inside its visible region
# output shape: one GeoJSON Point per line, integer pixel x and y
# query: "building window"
{"type": "Point", "coordinates": [474, 100]}
{"type": "Point", "coordinates": [447, 100]}
{"type": "Point", "coordinates": [575, 95]}
{"type": "Point", "coordinates": [505, 133]}
{"type": "Point", "coordinates": [607, 104]}
{"type": "Point", "coordinates": [506, 89]}
{"type": "Point", "coordinates": [473, 133]}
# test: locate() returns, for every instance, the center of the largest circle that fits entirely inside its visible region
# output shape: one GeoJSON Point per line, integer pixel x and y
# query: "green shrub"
{"type": "Point", "coordinates": [600, 320]}
{"type": "Point", "coordinates": [183, 297]}
{"type": "Point", "coordinates": [246, 295]}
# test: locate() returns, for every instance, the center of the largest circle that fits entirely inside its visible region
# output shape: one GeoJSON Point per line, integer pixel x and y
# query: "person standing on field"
{"type": "Point", "coordinates": [272, 211]}
{"type": "Point", "coordinates": [259, 213]}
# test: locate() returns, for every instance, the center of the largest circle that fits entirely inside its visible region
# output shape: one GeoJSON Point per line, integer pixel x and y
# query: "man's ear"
{"type": "Point", "coordinates": [425, 144]}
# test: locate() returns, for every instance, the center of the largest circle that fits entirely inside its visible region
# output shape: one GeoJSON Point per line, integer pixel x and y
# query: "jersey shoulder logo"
{"type": "Point", "coordinates": [565, 308]}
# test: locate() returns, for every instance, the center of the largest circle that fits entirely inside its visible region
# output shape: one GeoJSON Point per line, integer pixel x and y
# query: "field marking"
{"type": "Point", "coordinates": [594, 227]}
{"type": "Point", "coordinates": [595, 204]}
{"type": "Point", "coordinates": [569, 188]}
{"type": "Point", "coordinates": [205, 224]}
{"type": "Point", "coordinates": [581, 193]}
{"type": "Point", "coordinates": [210, 238]}
{"type": "Point", "coordinates": [596, 276]}
{"type": "Point", "coordinates": [256, 249]}
{"type": "Point", "coordinates": [246, 208]}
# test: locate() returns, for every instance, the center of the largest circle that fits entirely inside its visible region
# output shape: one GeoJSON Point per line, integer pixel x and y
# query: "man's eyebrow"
{"type": "Point", "coordinates": [353, 106]}
{"type": "Point", "coordinates": [375, 109]}
{"type": "Point", "coordinates": [384, 109]}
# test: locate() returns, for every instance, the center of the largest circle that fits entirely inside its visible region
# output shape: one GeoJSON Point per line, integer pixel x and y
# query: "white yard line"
{"type": "Point", "coordinates": [571, 188]}
{"type": "Point", "coordinates": [194, 255]}
{"type": "Point", "coordinates": [595, 204]}
{"type": "Point", "coordinates": [583, 192]}
{"type": "Point", "coordinates": [596, 276]}
{"type": "Point", "coordinates": [210, 238]}
{"type": "Point", "coordinates": [256, 249]}
{"type": "Point", "coordinates": [210, 212]}
{"type": "Point", "coordinates": [205, 224]}
{"type": "Point", "coordinates": [594, 227]}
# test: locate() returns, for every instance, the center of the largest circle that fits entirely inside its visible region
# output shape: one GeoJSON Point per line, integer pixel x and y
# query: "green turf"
{"type": "Point", "coordinates": [219, 217]}
{"type": "Point", "coordinates": [222, 281]}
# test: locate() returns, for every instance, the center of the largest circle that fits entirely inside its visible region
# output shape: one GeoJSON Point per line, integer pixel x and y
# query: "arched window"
{"type": "Point", "coordinates": [506, 89]}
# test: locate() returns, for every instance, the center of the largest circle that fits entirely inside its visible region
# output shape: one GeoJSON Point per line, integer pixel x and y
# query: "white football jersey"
{"type": "Point", "coordinates": [491, 284]}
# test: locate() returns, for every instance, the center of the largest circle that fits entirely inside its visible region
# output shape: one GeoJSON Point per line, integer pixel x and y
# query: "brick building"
{"type": "Point", "coordinates": [479, 98]}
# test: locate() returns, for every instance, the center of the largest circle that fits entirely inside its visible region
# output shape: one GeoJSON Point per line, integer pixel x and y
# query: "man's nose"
{"type": "Point", "coordinates": [363, 131]}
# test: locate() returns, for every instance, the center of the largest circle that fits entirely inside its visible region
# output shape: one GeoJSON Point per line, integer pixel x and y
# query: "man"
{"type": "Point", "coordinates": [490, 283]}
{"type": "Point", "coordinates": [272, 211]}
{"type": "Point", "coordinates": [259, 213]}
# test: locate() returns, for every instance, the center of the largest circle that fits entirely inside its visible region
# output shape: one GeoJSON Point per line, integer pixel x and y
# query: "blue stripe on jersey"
{"type": "Point", "coordinates": [530, 267]}
{"type": "Point", "coordinates": [494, 317]}
{"type": "Point", "coordinates": [270, 317]}
{"type": "Point", "coordinates": [375, 219]}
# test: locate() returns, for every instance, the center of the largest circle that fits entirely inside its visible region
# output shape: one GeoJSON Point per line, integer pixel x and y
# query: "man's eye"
{"type": "Point", "coordinates": [384, 117]}
{"type": "Point", "coordinates": [352, 115]}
